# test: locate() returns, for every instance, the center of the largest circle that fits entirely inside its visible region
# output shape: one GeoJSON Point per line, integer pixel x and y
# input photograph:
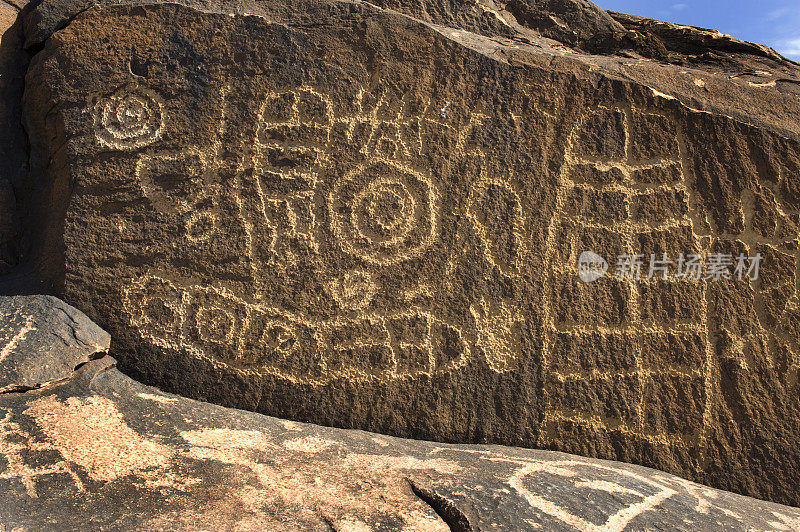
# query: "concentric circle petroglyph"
{"type": "Point", "coordinates": [384, 213]}
{"type": "Point", "coordinates": [129, 119]}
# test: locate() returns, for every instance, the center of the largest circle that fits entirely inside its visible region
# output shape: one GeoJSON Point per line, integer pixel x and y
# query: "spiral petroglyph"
{"type": "Point", "coordinates": [129, 119]}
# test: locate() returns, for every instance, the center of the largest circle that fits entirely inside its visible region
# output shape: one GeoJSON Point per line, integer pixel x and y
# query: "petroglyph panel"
{"type": "Point", "coordinates": [216, 325]}
{"type": "Point", "coordinates": [382, 230]}
{"type": "Point", "coordinates": [273, 202]}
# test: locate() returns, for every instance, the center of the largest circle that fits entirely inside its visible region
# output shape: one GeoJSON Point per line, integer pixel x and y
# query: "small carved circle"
{"type": "Point", "coordinates": [201, 226]}
{"type": "Point", "coordinates": [384, 211]}
{"type": "Point", "coordinates": [215, 325]}
{"type": "Point", "coordinates": [129, 119]}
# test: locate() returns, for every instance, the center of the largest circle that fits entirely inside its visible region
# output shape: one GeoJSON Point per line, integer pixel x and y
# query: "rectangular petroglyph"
{"type": "Point", "coordinates": [631, 144]}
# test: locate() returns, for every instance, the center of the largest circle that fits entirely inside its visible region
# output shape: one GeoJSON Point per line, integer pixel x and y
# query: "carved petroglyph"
{"type": "Point", "coordinates": [499, 334]}
{"type": "Point", "coordinates": [625, 190]}
{"type": "Point", "coordinates": [91, 440]}
{"type": "Point", "coordinates": [634, 493]}
{"type": "Point", "coordinates": [128, 119]}
{"type": "Point", "coordinates": [214, 324]}
{"type": "Point", "coordinates": [17, 447]}
{"type": "Point", "coordinates": [770, 228]}
{"type": "Point", "coordinates": [496, 212]}
{"type": "Point", "coordinates": [354, 290]}
{"type": "Point", "coordinates": [639, 496]}
{"type": "Point", "coordinates": [294, 129]}
{"type": "Point", "coordinates": [785, 522]}
{"type": "Point", "coordinates": [384, 213]}
{"type": "Point", "coordinates": [9, 344]}
{"type": "Point", "coordinates": [187, 184]}
{"type": "Point", "coordinates": [706, 497]}
{"type": "Point", "coordinates": [182, 184]}
{"type": "Point", "coordinates": [501, 220]}
{"type": "Point", "coordinates": [74, 426]}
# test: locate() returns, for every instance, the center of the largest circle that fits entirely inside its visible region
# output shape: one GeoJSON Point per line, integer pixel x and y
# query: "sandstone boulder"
{"type": "Point", "coordinates": [343, 214]}
{"type": "Point", "coordinates": [100, 451]}
{"type": "Point", "coordinates": [43, 340]}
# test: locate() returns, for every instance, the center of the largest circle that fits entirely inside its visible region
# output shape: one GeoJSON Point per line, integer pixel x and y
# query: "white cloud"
{"type": "Point", "coordinates": [789, 47]}
{"type": "Point", "coordinates": [780, 13]}
{"type": "Point", "coordinates": [679, 7]}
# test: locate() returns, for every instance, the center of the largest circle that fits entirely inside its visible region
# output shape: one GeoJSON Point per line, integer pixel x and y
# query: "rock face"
{"type": "Point", "coordinates": [8, 227]}
{"type": "Point", "coordinates": [342, 214]}
{"type": "Point", "coordinates": [101, 451]}
{"type": "Point", "coordinates": [43, 340]}
{"type": "Point", "coordinates": [13, 153]}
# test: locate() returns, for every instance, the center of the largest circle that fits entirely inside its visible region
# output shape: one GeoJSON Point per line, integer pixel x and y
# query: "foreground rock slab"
{"type": "Point", "coordinates": [342, 214]}
{"type": "Point", "coordinates": [43, 340]}
{"type": "Point", "coordinates": [100, 451]}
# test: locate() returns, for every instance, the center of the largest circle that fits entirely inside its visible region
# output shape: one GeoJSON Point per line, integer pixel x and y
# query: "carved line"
{"type": "Point", "coordinates": [133, 305]}
{"type": "Point", "coordinates": [518, 221]}
{"type": "Point", "coordinates": [628, 230]}
{"type": "Point", "coordinates": [14, 342]}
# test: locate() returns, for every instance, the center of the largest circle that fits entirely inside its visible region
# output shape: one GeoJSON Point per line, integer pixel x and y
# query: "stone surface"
{"type": "Point", "coordinates": [8, 227]}
{"type": "Point", "coordinates": [575, 22]}
{"type": "Point", "coordinates": [13, 149]}
{"type": "Point", "coordinates": [337, 213]}
{"type": "Point", "coordinates": [101, 451]}
{"type": "Point", "coordinates": [42, 340]}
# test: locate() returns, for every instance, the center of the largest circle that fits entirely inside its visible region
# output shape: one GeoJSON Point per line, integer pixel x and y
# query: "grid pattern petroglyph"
{"type": "Point", "coordinates": [614, 347]}
{"type": "Point", "coordinates": [769, 228]}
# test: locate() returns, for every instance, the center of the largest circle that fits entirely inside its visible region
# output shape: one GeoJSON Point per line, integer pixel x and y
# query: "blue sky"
{"type": "Point", "coordinates": [775, 23]}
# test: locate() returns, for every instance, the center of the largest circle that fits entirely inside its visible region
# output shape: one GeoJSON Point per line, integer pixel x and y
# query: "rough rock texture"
{"type": "Point", "coordinates": [100, 451]}
{"type": "Point", "coordinates": [337, 213]}
{"type": "Point", "coordinates": [8, 227]}
{"type": "Point", "coordinates": [13, 149]}
{"type": "Point", "coordinates": [575, 22]}
{"type": "Point", "coordinates": [43, 340]}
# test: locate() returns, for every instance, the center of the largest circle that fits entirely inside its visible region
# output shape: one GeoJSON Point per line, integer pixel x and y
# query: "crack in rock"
{"type": "Point", "coordinates": [445, 509]}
